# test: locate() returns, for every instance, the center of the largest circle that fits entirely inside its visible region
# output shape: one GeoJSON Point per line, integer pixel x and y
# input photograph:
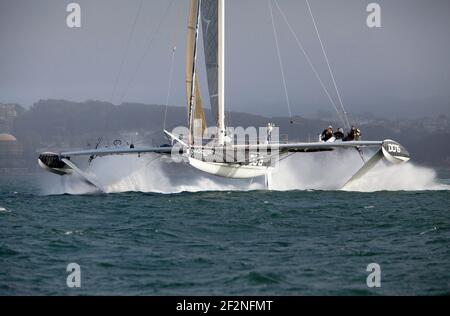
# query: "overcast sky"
{"type": "Point", "coordinates": [400, 69]}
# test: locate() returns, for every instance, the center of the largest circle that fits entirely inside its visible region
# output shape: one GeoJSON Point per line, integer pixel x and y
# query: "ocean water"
{"type": "Point", "coordinates": [194, 235]}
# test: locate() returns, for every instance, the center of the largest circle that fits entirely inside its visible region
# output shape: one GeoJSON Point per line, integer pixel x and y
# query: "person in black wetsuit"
{"type": "Point", "coordinates": [339, 134]}
{"type": "Point", "coordinates": [327, 134]}
{"type": "Point", "coordinates": [354, 134]}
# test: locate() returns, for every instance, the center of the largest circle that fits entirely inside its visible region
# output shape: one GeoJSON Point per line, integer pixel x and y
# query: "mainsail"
{"type": "Point", "coordinates": [210, 28]}
{"type": "Point", "coordinates": [195, 98]}
{"type": "Point", "coordinates": [213, 24]}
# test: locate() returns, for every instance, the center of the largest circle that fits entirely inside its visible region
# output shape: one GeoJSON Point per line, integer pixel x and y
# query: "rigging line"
{"type": "Point", "coordinates": [127, 48]}
{"type": "Point", "coordinates": [300, 45]}
{"type": "Point", "coordinates": [279, 59]}
{"type": "Point", "coordinates": [149, 45]}
{"type": "Point", "coordinates": [175, 38]}
{"type": "Point", "coordinates": [177, 29]}
{"type": "Point", "coordinates": [170, 86]}
{"type": "Point", "coordinates": [328, 64]}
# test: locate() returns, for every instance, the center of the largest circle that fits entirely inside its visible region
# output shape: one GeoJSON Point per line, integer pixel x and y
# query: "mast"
{"type": "Point", "coordinates": [194, 82]}
{"type": "Point", "coordinates": [221, 72]}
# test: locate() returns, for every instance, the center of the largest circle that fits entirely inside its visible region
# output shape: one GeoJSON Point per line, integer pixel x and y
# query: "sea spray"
{"type": "Point", "coordinates": [301, 171]}
{"type": "Point", "coordinates": [331, 170]}
{"type": "Point", "coordinates": [404, 177]}
{"type": "Point", "coordinates": [315, 171]}
{"type": "Point", "coordinates": [154, 173]}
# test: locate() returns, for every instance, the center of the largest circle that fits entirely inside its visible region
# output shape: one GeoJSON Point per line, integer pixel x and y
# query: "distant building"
{"type": "Point", "coordinates": [8, 113]}
{"type": "Point", "coordinates": [11, 154]}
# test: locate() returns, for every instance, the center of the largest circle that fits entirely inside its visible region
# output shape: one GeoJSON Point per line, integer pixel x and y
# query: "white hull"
{"type": "Point", "coordinates": [228, 170]}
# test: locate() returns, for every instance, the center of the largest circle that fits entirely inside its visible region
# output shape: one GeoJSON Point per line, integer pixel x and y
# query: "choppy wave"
{"type": "Point", "coordinates": [220, 243]}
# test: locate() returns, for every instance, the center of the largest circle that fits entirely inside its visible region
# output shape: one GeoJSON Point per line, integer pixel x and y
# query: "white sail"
{"type": "Point", "coordinates": [213, 27]}
{"type": "Point", "coordinates": [209, 13]}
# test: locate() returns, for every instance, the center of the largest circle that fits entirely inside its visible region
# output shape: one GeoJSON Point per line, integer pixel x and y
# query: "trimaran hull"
{"type": "Point", "coordinates": [229, 170]}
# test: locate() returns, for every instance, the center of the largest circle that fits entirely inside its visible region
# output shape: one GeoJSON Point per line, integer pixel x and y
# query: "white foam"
{"type": "Point", "coordinates": [74, 232]}
{"type": "Point", "coordinates": [152, 174]}
{"type": "Point", "coordinates": [2, 209]}
{"type": "Point", "coordinates": [404, 177]}
{"type": "Point", "coordinates": [331, 170]}
{"type": "Point", "coordinates": [429, 230]}
{"type": "Point", "coordinates": [148, 173]}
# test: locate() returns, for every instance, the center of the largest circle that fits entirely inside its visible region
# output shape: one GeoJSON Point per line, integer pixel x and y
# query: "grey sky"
{"type": "Point", "coordinates": [401, 69]}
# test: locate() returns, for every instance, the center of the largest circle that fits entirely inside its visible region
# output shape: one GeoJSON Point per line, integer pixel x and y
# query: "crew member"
{"type": "Point", "coordinates": [354, 134]}
{"type": "Point", "coordinates": [269, 132]}
{"type": "Point", "coordinates": [327, 133]}
{"type": "Point", "coordinates": [339, 134]}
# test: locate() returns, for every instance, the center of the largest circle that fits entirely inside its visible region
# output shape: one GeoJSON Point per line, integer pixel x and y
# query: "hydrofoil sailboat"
{"type": "Point", "coordinates": [217, 150]}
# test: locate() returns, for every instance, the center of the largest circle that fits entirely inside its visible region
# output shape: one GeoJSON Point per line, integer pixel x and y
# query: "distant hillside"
{"type": "Point", "coordinates": [56, 124]}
